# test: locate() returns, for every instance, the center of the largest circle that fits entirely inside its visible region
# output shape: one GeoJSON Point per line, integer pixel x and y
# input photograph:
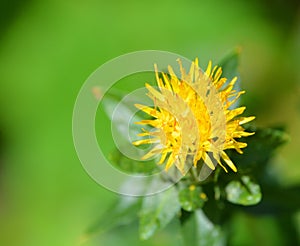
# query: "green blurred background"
{"type": "Point", "coordinates": [49, 48]}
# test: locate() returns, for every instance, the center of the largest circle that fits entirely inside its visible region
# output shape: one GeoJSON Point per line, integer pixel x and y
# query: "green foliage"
{"type": "Point", "coordinates": [198, 230]}
{"type": "Point", "coordinates": [203, 224]}
{"type": "Point", "coordinates": [230, 64]}
{"type": "Point", "coordinates": [157, 211]}
{"type": "Point", "coordinates": [260, 149]}
{"type": "Point", "coordinates": [128, 165]}
{"type": "Point", "coordinates": [204, 208]}
{"type": "Point", "coordinates": [192, 198]}
{"type": "Point", "coordinates": [122, 212]}
{"type": "Point", "coordinates": [124, 117]}
{"type": "Point", "coordinates": [244, 191]}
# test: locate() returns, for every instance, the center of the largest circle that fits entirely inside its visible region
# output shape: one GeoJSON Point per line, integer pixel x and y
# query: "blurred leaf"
{"type": "Point", "coordinates": [126, 110]}
{"type": "Point", "coordinates": [278, 200]}
{"type": "Point", "coordinates": [122, 113]}
{"type": "Point", "coordinates": [122, 212]}
{"type": "Point", "coordinates": [243, 192]}
{"type": "Point", "coordinates": [192, 198]}
{"type": "Point", "coordinates": [230, 64]}
{"type": "Point", "coordinates": [261, 147]}
{"type": "Point", "coordinates": [249, 230]}
{"type": "Point", "coordinates": [157, 211]}
{"type": "Point", "coordinates": [110, 100]}
{"type": "Point", "coordinates": [129, 165]}
{"type": "Point", "coordinates": [198, 230]}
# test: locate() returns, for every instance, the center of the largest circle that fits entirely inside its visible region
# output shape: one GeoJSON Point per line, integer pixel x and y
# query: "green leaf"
{"type": "Point", "coordinates": [122, 113]}
{"type": "Point", "coordinates": [131, 166]}
{"type": "Point", "coordinates": [260, 147]}
{"type": "Point", "coordinates": [243, 192]}
{"type": "Point", "coordinates": [192, 198]}
{"type": "Point", "coordinates": [198, 230]}
{"type": "Point", "coordinates": [157, 211]}
{"type": "Point", "coordinates": [230, 64]}
{"type": "Point", "coordinates": [123, 212]}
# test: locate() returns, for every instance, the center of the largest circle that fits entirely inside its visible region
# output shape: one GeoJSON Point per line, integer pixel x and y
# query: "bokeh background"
{"type": "Point", "coordinates": [48, 49]}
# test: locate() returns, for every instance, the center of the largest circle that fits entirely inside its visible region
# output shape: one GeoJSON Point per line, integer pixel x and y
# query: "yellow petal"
{"type": "Point", "coordinates": [146, 141]}
{"type": "Point", "coordinates": [230, 85]}
{"type": "Point", "coordinates": [170, 161]}
{"type": "Point", "coordinates": [156, 150]}
{"type": "Point", "coordinates": [244, 120]}
{"type": "Point", "coordinates": [208, 69]}
{"type": "Point", "coordinates": [167, 83]}
{"type": "Point", "coordinates": [218, 74]}
{"type": "Point", "coordinates": [147, 122]}
{"type": "Point", "coordinates": [155, 93]}
{"type": "Point", "coordinates": [208, 161]}
{"type": "Point", "coordinates": [151, 111]}
{"type": "Point", "coordinates": [237, 96]}
{"type": "Point", "coordinates": [226, 158]}
{"type": "Point", "coordinates": [163, 157]}
{"type": "Point", "coordinates": [235, 112]}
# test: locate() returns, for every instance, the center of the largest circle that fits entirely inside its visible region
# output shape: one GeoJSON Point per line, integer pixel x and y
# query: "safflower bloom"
{"type": "Point", "coordinates": [193, 120]}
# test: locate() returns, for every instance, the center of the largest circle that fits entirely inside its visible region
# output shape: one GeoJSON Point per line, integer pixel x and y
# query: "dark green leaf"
{"type": "Point", "coordinates": [243, 192]}
{"type": "Point", "coordinates": [261, 147]}
{"type": "Point", "coordinates": [192, 198]}
{"type": "Point", "coordinates": [230, 64]}
{"type": "Point", "coordinates": [198, 230]}
{"type": "Point", "coordinates": [157, 211]}
{"type": "Point", "coordinates": [278, 200]}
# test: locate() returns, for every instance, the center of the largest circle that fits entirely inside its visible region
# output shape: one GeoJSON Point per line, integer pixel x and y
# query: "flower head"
{"type": "Point", "coordinates": [193, 119]}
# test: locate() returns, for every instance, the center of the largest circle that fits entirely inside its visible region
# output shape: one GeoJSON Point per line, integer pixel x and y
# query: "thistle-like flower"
{"type": "Point", "coordinates": [192, 118]}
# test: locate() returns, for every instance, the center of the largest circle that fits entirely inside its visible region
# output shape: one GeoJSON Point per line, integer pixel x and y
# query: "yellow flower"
{"type": "Point", "coordinates": [193, 119]}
